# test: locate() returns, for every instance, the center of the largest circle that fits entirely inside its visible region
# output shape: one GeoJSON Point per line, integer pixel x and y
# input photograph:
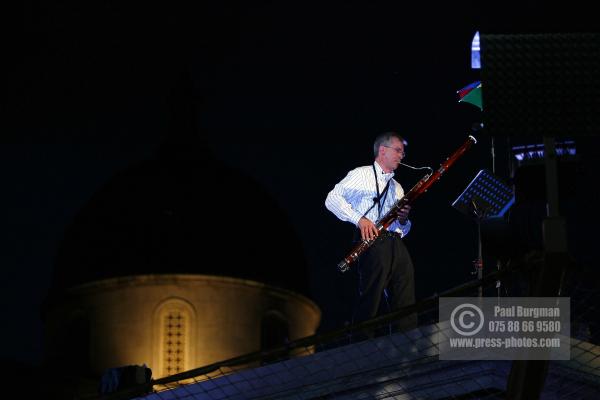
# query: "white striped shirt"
{"type": "Point", "coordinates": [354, 194]}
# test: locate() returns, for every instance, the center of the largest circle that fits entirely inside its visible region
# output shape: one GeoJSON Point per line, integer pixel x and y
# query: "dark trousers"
{"type": "Point", "coordinates": [386, 269]}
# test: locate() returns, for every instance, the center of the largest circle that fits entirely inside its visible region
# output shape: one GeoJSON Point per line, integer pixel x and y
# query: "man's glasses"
{"type": "Point", "coordinates": [398, 150]}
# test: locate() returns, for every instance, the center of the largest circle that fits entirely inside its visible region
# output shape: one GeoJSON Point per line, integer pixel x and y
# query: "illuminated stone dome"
{"type": "Point", "coordinates": [176, 246]}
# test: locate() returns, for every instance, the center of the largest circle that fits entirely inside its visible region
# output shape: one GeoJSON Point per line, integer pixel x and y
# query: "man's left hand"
{"type": "Point", "coordinates": [403, 214]}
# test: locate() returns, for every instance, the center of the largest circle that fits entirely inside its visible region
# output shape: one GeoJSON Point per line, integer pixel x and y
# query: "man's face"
{"type": "Point", "coordinates": [392, 154]}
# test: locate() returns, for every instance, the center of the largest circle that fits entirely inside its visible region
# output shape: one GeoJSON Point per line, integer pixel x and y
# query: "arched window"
{"type": "Point", "coordinates": [174, 320]}
{"type": "Point", "coordinates": [75, 344]}
{"type": "Point", "coordinates": [274, 332]}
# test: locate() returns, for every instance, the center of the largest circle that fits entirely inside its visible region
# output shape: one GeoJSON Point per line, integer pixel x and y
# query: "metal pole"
{"type": "Point", "coordinates": [527, 377]}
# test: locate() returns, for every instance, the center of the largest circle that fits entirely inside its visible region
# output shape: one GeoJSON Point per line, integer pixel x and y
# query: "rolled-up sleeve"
{"type": "Point", "coordinates": [337, 199]}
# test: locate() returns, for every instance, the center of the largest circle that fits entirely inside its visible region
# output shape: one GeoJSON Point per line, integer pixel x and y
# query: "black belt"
{"type": "Point", "coordinates": [386, 233]}
{"type": "Point", "coordinates": [383, 233]}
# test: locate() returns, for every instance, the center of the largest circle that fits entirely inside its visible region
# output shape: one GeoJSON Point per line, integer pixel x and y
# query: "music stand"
{"type": "Point", "coordinates": [487, 196]}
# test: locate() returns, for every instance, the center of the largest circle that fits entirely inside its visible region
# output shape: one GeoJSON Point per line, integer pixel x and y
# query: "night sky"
{"type": "Point", "coordinates": [290, 93]}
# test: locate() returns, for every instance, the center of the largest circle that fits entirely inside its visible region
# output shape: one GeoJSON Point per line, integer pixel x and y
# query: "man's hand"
{"type": "Point", "coordinates": [403, 214]}
{"type": "Point", "coordinates": [368, 230]}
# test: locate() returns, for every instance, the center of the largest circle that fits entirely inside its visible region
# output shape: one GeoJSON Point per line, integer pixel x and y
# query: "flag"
{"type": "Point", "coordinates": [471, 94]}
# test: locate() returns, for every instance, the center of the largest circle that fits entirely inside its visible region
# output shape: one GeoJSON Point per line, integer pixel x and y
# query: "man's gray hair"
{"type": "Point", "coordinates": [384, 139]}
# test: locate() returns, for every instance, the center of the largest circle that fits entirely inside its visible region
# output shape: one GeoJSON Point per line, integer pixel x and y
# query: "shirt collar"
{"type": "Point", "coordinates": [387, 176]}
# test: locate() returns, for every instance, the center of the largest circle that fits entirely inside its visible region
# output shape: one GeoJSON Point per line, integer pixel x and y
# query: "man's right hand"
{"type": "Point", "coordinates": [368, 230]}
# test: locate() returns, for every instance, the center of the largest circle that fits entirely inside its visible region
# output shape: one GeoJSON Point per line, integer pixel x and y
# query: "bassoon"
{"type": "Point", "coordinates": [415, 192]}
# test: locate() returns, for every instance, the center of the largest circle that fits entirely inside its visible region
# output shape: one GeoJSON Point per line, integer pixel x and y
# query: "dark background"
{"type": "Point", "coordinates": [291, 94]}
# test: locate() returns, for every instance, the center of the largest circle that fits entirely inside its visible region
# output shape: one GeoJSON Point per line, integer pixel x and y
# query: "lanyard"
{"type": "Point", "coordinates": [378, 198]}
